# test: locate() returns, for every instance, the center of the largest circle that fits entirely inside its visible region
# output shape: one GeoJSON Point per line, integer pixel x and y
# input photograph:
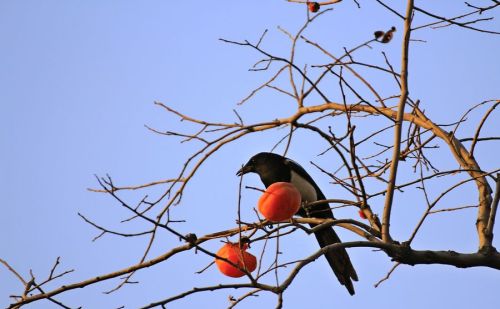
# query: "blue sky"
{"type": "Point", "coordinates": [78, 80]}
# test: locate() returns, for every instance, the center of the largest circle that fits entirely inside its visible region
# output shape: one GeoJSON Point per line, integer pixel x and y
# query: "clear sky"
{"type": "Point", "coordinates": [77, 84]}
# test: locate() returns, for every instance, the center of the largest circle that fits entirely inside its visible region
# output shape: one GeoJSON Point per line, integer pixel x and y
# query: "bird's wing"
{"type": "Point", "coordinates": [302, 173]}
{"type": "Point", "coordinates": [299, 170]}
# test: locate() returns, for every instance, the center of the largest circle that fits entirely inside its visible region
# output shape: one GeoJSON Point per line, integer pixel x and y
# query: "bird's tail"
{"type": "Point", "coordinates": [338, 259]}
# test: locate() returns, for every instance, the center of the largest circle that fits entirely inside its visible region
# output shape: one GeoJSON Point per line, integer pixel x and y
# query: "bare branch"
{"type": "Point", "coordinates": [154, 183]}
{"type": "Point", "coordinates": [386, 217]}
{"type": "Point", "coordinates": [453, 209]}
{"type": "Point", "coordinates": [12, 270]}
{"type": "Point", "coordinates": [478, 130]}
{"type": "Point", "coordinates": [393, 268]}
{"type": "Point", "coordinates": [494, 206]}
{"type": "Point", "coordinates": [453, 22]}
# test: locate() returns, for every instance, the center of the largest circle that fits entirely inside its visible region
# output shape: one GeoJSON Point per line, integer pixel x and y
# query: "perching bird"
{"type": "Point", "coordinates": [275, 168]}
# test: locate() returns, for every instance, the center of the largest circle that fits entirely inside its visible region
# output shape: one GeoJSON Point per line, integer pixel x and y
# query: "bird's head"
{"type": "Point", "coordinates": [266, 164]}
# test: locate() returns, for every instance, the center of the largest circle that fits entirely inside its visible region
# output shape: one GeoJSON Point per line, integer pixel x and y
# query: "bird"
{"type": "Point", "coordinates": [273, 168]}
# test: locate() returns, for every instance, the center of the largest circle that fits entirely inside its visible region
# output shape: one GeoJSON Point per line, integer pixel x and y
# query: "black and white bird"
{"type": "Point", "coordinates": [273, 168]}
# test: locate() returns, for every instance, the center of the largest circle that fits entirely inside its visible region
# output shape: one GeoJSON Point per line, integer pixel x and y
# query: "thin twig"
{"type": "Point", "coordinates": [393, 268]}
{"type": "Point", "coordinates": [478, 130]}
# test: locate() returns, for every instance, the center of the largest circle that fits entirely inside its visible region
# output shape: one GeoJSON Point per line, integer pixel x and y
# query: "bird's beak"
{"type": "Point", "coordinates": [245, 169]}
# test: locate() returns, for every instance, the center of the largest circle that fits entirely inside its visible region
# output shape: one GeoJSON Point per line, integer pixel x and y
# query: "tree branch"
{"type": "Point", "coordinates": [386, 216]}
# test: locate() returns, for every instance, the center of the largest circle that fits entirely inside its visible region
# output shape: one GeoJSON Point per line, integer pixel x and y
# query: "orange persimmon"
{"type": "Point", "coordinates": [313, 6]}
{"type": "Point", "coordinates": [238, 256]}
{"type": "Point", "coordinates": [362, 214]}
{"type": "Point", "coordinates": [280, 201]}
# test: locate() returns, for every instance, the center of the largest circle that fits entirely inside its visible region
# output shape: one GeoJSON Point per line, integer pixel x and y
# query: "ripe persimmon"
{"type": "Point", "coordinates": [313, 6]}
{"type": "Point", "coordinates": [280, 201]}
{"type": "Point", "coordinates": [238, 256]}
{"type": "Point", "coordinates": [362, 214]}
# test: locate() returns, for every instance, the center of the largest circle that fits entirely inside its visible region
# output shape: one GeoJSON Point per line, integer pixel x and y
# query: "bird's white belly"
{"type": "Point", "coordinates": [306, 190]}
